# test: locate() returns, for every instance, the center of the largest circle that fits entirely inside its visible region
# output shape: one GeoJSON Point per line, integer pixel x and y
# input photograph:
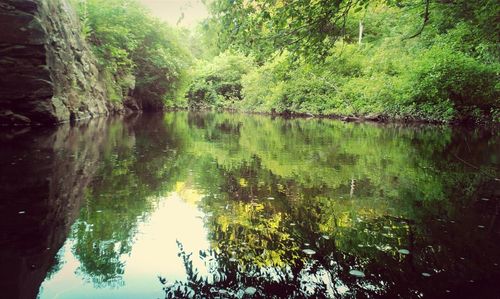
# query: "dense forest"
{"type": "Point", "coordinates": [426, 60]}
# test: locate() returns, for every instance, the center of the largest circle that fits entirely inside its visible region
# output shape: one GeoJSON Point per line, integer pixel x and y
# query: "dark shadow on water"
{"type": "Point", "coordinates": [43, 174]}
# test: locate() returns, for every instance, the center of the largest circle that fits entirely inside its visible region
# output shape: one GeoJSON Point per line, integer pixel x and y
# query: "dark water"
{"type": "Point", "coordinates": [267, 207]}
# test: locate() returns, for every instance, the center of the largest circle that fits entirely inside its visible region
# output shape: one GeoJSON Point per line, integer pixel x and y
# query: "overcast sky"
{"type": "Point", "coordinates": [172, 10]}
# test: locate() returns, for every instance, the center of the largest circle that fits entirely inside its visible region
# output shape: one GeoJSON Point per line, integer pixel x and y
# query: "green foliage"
{"type": "Point", "coordinates": [202, 40]}
{"type": "Point", "coordinates": [218, 83]}
{"type": "Point", "coordinates": [305, 27]}
{"type": "Point", "coordinates": [443, 75]}
{"type": "Point", "coordinates": [161, 70]}
{"type": "Point", "coordinates": [263, 86]}
{"type": "Point", "coordinates": [346, 85]}
{"type": "Point", "coordinates": [137, 54]}
{"type": "Point", "coordinates": [307, 57]}
{"type": "Point", "coordinates": [448, 72]}
{"type": "Point", "coordinates": [439, 84]}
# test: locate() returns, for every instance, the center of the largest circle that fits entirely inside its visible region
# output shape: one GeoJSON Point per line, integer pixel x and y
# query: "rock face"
{"type": "Point", "coordinates": [47, 72]}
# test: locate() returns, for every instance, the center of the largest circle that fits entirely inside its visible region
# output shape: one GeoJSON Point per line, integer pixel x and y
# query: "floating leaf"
{"type": "Point", "coordinates": [404, 251]}
{"type": "Point", "coordinates": [21, 212]}
{"type": "Point", "coordinates": [357, 273]}
{"type": "Point", "coordinates": [309, 251]}
{"type": "Point", "coordinates": [425, 274]}
{"type": "Point", "coordinates": [250, 291]}
{"type": "Point", "coordinates": [243, 182]}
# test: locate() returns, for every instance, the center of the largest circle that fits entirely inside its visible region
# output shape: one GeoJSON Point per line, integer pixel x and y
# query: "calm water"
{"type": "Point", "coordinates": [113, 208]}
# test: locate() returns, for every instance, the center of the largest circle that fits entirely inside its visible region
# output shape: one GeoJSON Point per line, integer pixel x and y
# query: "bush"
{"type": "Point", "coordinates": [348, 83]}
{"type": "Point", "coordinates": [262, 86]}
{"type": "Point", "coordinates": [285, 87]}
{"type": "Point", "coordinates": [218, 83]}
{"type": "Point", "coordinates": [445, 76]}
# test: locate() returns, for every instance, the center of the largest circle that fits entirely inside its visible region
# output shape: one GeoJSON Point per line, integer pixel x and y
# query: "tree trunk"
{"type": "Point", "coordinates": [360, 32]}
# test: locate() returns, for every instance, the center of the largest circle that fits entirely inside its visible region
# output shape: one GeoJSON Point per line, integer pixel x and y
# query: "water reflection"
{"type": "Point", "coordinates": [43, 175]}
{"type": "Point", "coordinates": [325, 209]}
{"type": "Point", "coordinates": [154, 252]}
{"type": "Point", "coordinates": [255, 207]}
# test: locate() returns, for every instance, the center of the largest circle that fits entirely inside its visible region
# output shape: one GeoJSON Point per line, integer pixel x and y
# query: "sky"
{"type": "Point", "coordinates": [172, 10]}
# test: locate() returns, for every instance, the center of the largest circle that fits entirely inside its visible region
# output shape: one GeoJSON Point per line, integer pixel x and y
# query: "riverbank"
{"type": "Point", "coordinates": [350, 118]}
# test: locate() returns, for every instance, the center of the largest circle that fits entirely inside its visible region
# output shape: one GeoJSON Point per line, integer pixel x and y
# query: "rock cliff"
{"type": "Point", "coordinates": [47, 72]}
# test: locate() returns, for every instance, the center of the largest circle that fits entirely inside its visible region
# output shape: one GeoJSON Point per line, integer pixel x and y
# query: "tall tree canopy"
{"type": "Point", "coordinates": [311, 27]}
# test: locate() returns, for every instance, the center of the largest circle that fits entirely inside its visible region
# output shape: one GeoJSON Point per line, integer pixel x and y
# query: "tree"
{"type": "Point", "coordinates": [137, 53]}
{"type": "Point", "coordinates": [305, 27]}
{"type": "Point", "coordinates": [311, 27]}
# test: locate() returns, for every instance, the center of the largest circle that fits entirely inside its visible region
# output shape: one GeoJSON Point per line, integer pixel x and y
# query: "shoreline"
{"type": "Point", "coordinates": [376, 119]}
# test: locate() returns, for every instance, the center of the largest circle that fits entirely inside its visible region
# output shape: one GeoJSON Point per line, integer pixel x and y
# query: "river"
{"type": "Point", "coordinates": [248, 206]}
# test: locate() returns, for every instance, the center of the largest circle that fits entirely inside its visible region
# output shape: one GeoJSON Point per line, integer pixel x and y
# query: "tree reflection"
{"type": "Point", "coordinates": [298, 209]}
{"type": "Point", "coordinates": [256, 254]}
{"type": "Point", "coordinates": [367, 213]}
{"type": "Point", "coordinates": [257, 263]}
{"type": "Point", "coordinates": [138, 164]}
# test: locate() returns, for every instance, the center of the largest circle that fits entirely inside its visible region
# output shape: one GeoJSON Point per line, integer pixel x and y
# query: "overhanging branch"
{"type": "Point", "coordinates": [424, 23]}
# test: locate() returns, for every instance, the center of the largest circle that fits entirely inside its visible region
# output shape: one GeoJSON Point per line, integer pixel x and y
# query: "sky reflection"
{"type": "Point", "coordinates": [154, 253]}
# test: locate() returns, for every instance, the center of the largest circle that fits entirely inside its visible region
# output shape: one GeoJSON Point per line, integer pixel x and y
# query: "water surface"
{"type": "Point", "coordinates": [241, 206]}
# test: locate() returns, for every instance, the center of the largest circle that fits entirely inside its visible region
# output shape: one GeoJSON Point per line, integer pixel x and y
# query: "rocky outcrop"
{"type": "Point", "coordinates": [47, 72]}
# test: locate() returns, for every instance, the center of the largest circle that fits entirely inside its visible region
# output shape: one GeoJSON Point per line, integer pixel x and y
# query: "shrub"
{"type": "Point", "coordinates": [446, 76]}
{"type": "Point", "coordinates": [218, 83]}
